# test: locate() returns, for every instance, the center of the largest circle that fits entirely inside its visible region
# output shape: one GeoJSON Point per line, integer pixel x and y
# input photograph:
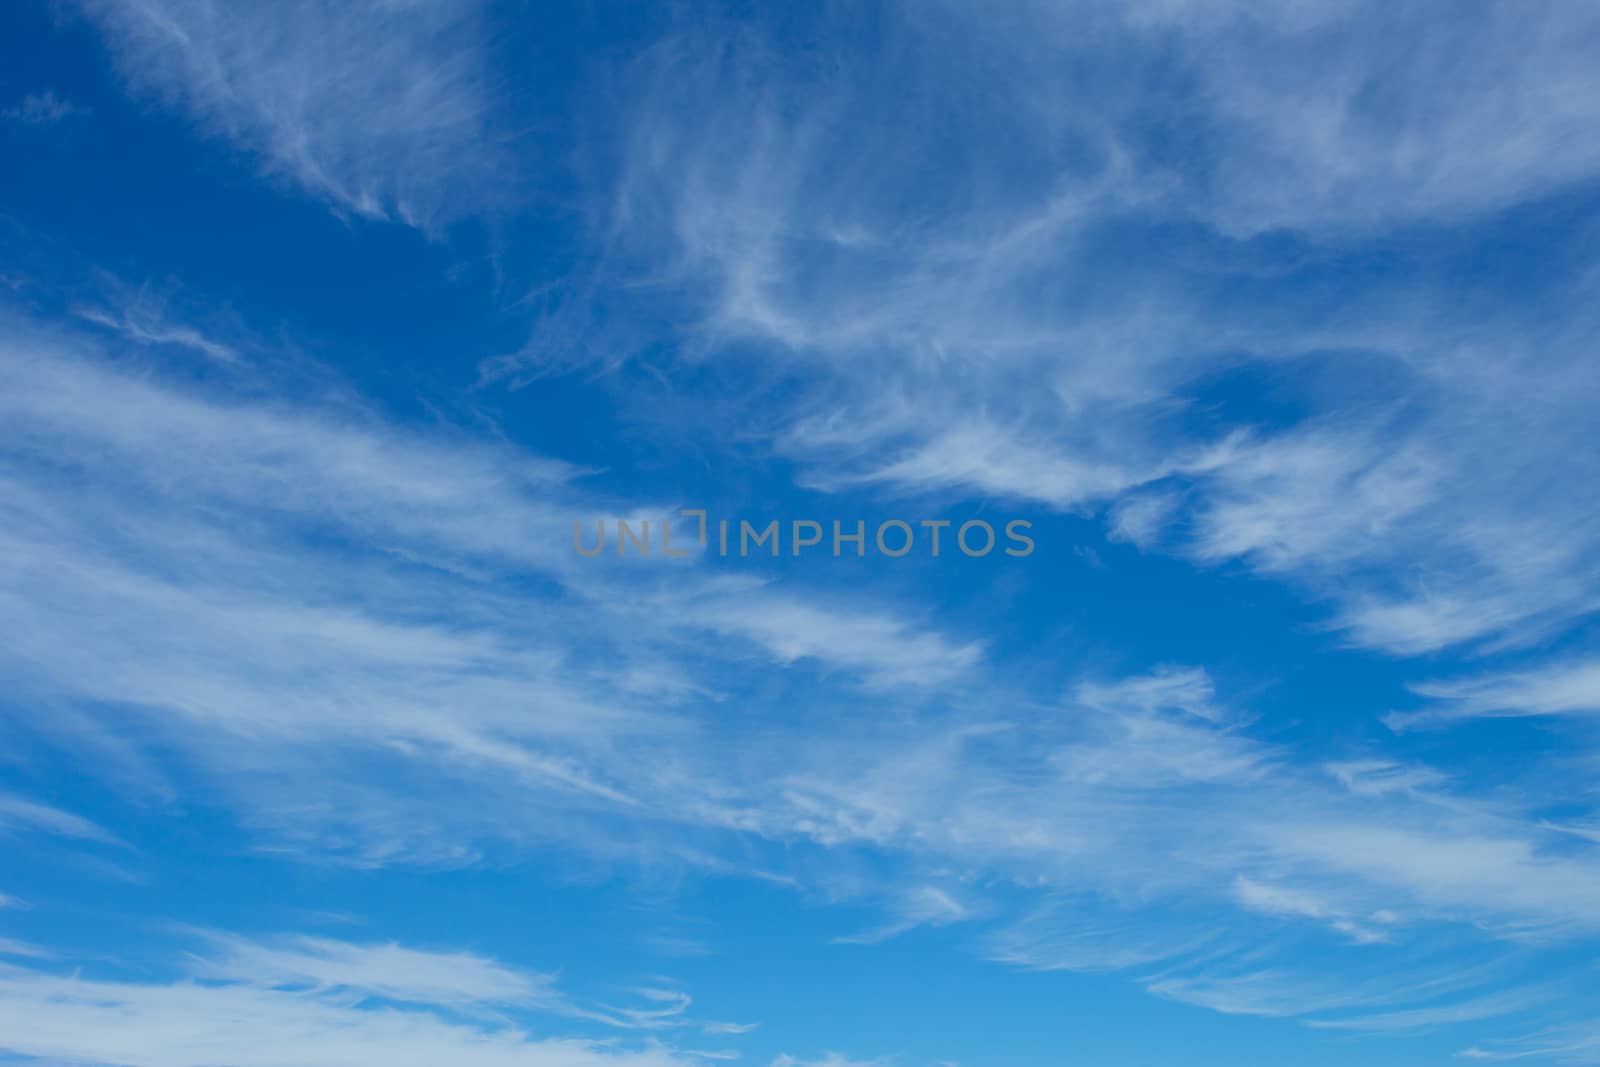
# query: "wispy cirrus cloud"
{"type": "Point", "coordinates": [339, 590]}
{"type": "Point", "coordinates": [1289, 902]}
{"type": "Point", "coordinates": [20, 813]}
{"type": "Point", "coordinates": [1476, 119]}
{"type": "Point", "coordinates": [1049, 321]}
{"type": "Point", "coordinates": [146, 326]}
{"type": "Point", "coordinates": [1561, 688]}
{"type": "Point", "coordinates": [924, 905]}
{"type": "Point", "coordinates": [1574, 1044]}
{"type": "Point", "coordinates": [43, 108]}
{"type": "Point", "coordinates": [309, 1000]}
{"type": "Point", "coordinates": [1248, 286]}
{"type": "Point", "coordinates": [458, 981]}
{"type": "Point", "coordinates": [310, 636]}
{"type": "Point", "coordinates": [383, 110]}
{"type": "Point", "coordinates": [831, 1059]}
{"type": "Point", "coordinates": [1473, 1009]}
{"type": "Point", "coordinates": [267, 581]}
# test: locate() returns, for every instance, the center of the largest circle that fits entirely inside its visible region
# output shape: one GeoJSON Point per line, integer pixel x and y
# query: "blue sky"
{"type": "Point", "coordinates": [322, 324]}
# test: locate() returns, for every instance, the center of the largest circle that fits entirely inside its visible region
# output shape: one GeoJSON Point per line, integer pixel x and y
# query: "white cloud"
{"type": "Point", "coordinates": [454, 980]}
{"type": "Point", "coordinates": [1080, 933]}
{"type": "Point", "coordinates": [1269, 993]}
{"type": "Point", "coordinates": [1577, 1043]}
{"type": "Point", "coordinates": [43, 109]}
{"type": "Point", "coordinates": [314, 1000]}
{"type": "Point", "coordinates": [294, 559]}
{"type": "Point", "coordinates": [889, 651]}
{"type": "Point", "coordinates": [382, 109]}
{"type": "Point", "coordinates": [20, 813]}
{"type": "Point", "coordinates": [1570, 687]}
{"type": "Point", "coordinates": [277, 586]}
{"type": "Point", "coordinates": [1288, 902]}
{"type": "Point", "coordinates": [139, 325]}
{"type": "Point", "coordinates": [1478, 867]}
{"type": "Point", "coordinates": [186, 1024]}
{"type": "Point", "coordinates": [1435, 997]}
{"type": "Point", "coordinates": [924, 905]}
{"type": "Point", "coordinates": [287, 590]}
{"type": "Point", "coordinates": [1142, 518]}
{"type": "Point", "coordinates": [1490, 1006]}
{"type": "Point", "coordinates": [1313, 495]}
{"type": "Point", "coordinates": [1376, 777]}
{"type": "Point", "coordinates": [1322, 124]}
{"type": "Point", "coordinates": [980, 330]}
{"type": "Point", "coordinates": [26, 950]}
{"type": "Point", "coordinates": [831, 1059]}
